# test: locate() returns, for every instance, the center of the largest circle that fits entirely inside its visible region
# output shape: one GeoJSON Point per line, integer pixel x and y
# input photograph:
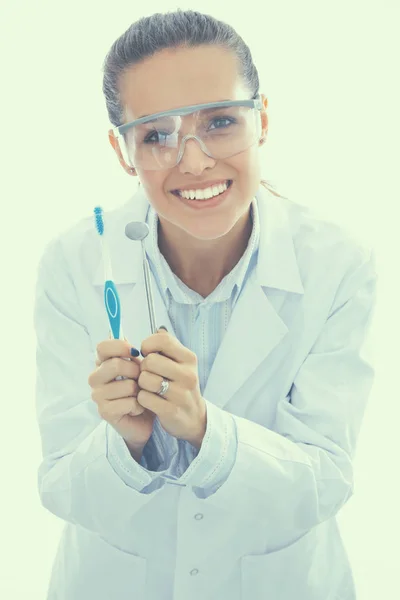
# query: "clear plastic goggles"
{"type": "Point", "coordinates": [222, 129]}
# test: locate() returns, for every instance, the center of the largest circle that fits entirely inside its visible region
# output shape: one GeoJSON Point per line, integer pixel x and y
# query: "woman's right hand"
{"type": "Point", "coordinates": [117, 400]}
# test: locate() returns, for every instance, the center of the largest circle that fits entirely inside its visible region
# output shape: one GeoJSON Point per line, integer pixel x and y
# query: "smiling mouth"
{"type": "Point", "coordinates": [178, 194]}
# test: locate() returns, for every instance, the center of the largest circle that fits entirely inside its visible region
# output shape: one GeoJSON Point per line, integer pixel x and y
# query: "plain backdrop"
{"type": "Point", "coordinates": [330, 72]}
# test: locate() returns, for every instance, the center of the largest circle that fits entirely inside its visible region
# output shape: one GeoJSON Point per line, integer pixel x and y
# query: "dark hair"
{"type": "Point", "coordinates": [180, 28]}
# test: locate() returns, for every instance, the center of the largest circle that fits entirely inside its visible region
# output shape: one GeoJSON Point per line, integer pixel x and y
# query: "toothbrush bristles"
{"type": "Point", "coordinates": [98, 216]}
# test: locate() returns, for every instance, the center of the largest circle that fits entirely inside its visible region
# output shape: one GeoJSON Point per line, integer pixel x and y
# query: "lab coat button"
{"type": "Point", "coordinates": [194, 571]}
{"type": "Point", "coordinates": [198, 516]}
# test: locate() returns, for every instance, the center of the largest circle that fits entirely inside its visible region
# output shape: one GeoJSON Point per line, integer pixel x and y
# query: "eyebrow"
{"type": "Point", "coordinates": [207, 110]}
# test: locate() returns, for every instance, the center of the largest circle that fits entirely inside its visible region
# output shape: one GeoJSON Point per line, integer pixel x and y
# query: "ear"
{"type": "Point", "coordinates": [264, 117]}
{"type": "Point", "coordinates": [114, 143]}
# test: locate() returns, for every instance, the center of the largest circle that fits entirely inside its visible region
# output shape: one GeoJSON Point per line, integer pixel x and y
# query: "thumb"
{"type": "Point", "coordinates": [136, 359]}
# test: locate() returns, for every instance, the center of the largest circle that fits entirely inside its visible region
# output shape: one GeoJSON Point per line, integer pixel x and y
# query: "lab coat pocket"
{"type": "Point", "coordinates": [123, 575]}
{"type": "Point", "coordinates": [288, 574]}
{"type": "Point", "coordinates": [89, 567]}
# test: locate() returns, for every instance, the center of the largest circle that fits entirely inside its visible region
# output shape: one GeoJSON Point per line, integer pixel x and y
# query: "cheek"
{"type": "Point", "coordinates": [154, 186]}
{"type": "Point", "coordinates": [247, 167]}
{"type": "Point", "coordinates": [152, 181]}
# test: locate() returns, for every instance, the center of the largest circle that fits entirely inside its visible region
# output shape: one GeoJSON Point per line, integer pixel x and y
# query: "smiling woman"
{"type": "Point", "coordinates": [191, 137]}
{"type": "Point", "coordinates": [232, 492]}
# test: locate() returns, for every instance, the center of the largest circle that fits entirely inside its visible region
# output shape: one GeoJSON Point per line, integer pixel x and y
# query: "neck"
{"type": "Point", "coordinates": [203, 265]}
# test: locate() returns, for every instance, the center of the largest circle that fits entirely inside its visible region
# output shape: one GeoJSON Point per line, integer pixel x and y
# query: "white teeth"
{"type": "Point", "coordinates": [204, 194]}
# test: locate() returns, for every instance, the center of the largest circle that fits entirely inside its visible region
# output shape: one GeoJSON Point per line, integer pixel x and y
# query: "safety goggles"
{"type": "Point", "coordinates": [222, 129]}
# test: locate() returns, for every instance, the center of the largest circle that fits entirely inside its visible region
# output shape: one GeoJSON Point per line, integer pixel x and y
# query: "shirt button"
{"type": "Point", "coordinates": [194, 571]}
{"type": "Point", "coordinates": [198, 516]}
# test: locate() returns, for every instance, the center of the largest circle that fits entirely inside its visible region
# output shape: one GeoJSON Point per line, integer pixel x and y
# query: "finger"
{"type": "Point", "coordinates": [152, 383]}
{"type": "Point", "coordinates": [114, 411]}
{"type": "Point", "coordinates": [135, 359]}
{"type": "Point", "coordinates": [110, 348]}
{"type": "Point", "coordinates": [158, 364]}
{"type": "Point", "coordinates": [107, 371]}
{"type": "Point", "coordinates": [115, 390]}
{"type": "Point", "coordinates": [156, 404]}
{"type": "Point", "coordinates": [118, 367]}
{"type": "Point", "coordinates": [169, 345]}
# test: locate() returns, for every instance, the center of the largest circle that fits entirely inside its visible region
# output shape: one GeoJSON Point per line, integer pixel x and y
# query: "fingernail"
{"type": "Point", "coordinates": [134, 352]}
{"type": "Point", "coordinates": [162, 327]}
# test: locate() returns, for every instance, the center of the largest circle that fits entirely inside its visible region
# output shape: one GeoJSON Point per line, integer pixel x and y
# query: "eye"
{"type": "Point", "coordinates": [159, 134]}
{"type": "Point", "coordinates": [228, 121]}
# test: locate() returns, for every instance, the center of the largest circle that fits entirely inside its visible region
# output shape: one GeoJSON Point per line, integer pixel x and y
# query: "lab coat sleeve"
{"type": "Point", "coordinates": [80, 479]}
{"type": "Point", "coordinates": [159, 459]}
{"type": "Point", "coordinates": [211, 466]}
{"type": "Point", "coordinates": [300, 474]}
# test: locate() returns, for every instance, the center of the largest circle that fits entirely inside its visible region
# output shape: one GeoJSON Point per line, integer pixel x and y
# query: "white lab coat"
{"type": "Point", "coordinates": [291, 369]}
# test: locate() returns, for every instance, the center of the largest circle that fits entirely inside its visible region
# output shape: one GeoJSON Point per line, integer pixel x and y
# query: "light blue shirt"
{"type": "Point", "coordinates": [199, 324]}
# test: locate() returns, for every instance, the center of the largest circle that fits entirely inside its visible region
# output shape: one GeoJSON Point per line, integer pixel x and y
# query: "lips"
{"type": "Point", "coordinates": [227, 181]}
{"type": "Point", "coordinates": [203, 187]}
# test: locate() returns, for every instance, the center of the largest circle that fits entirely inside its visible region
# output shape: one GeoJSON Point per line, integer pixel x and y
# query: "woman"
{"type": "Point", "coordinates": [217, 467]}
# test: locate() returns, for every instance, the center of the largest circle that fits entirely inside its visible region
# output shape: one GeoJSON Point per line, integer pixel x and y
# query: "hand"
{"type": "Point", "coordinates": [182, 412]}
{"type": "Point", "coordinates": [117, 400]}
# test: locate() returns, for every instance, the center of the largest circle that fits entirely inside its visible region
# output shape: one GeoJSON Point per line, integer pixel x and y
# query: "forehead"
{"type": "Point", "coordinates": [180, 77]}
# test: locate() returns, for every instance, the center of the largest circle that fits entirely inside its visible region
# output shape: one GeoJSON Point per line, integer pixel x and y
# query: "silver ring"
{"type": "Point", "coordinates": [164, 388]}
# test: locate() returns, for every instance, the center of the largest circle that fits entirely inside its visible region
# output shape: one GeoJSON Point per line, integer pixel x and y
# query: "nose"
{"type": "Point", "coordinates": [193, 159]}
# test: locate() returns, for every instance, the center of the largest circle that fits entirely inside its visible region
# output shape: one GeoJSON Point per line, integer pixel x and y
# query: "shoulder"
{"type": "Point", "coordinates": [325, 244]}
{"type": "Point", "coordinates": [79, 243]}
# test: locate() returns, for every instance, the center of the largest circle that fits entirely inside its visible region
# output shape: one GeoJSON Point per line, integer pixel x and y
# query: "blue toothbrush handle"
{"type": "Point", "coordinates": [113, 307]}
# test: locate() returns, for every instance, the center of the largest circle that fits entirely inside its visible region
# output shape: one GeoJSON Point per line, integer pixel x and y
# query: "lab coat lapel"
{"type": "Point", "coordinates": [253, 331]}
{"type": "Point", "coordinates": [255, 327]}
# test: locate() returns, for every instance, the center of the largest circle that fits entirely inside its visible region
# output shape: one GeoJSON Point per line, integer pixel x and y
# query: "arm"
{"type": "Point", "coordinates": [80, 451]}
{"type": "Point", "coordinates": [136, 453]}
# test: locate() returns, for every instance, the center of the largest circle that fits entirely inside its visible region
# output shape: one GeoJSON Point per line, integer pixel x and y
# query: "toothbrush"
{"type": "Point", "coordinates": [111, 297]}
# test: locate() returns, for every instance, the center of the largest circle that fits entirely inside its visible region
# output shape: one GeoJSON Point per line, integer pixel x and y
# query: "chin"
{"type": "Point", "coordinates": [211, 229]}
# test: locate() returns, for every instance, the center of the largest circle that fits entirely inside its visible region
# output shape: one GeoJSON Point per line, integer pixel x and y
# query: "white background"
{"type": "Point", "coordinates": [330, 71]}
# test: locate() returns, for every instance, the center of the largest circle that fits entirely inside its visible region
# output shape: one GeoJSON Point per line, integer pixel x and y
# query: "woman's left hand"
{"type": "Point", "coordinates": [182, 411]}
